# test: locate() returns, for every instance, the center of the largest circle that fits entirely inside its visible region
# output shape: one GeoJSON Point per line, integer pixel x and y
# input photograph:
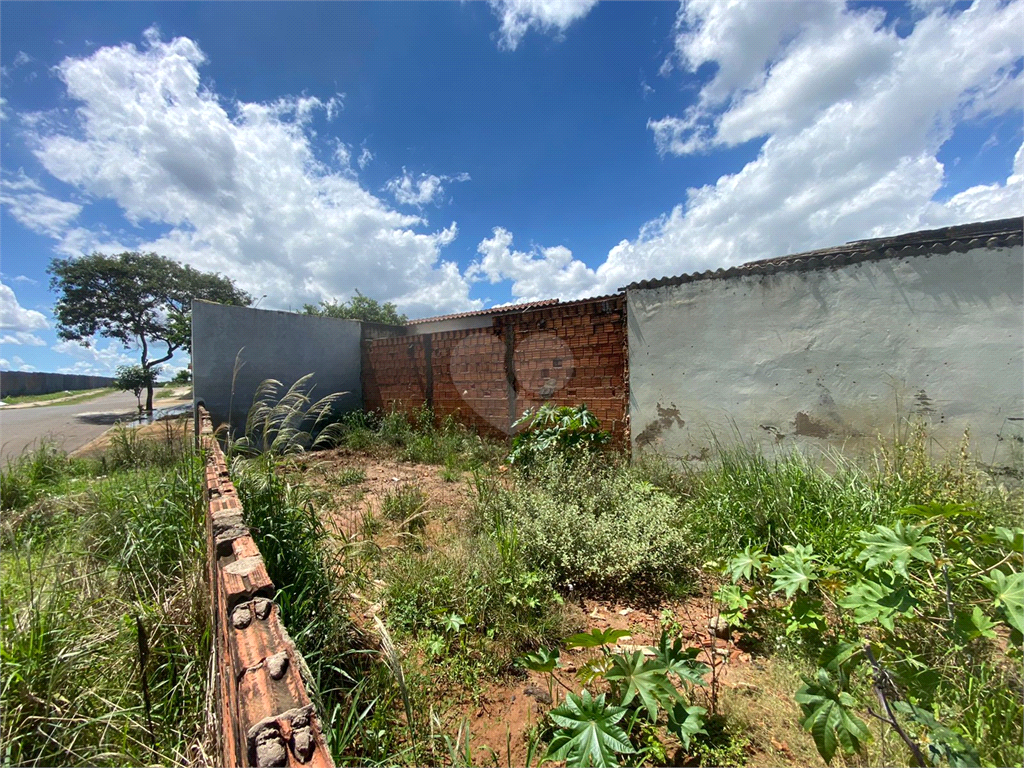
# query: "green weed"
{"type": "Point", "coordinates": [349, 476]}
{"type": "Point", "coordinates": [123, 571]}
{"type": "Point", "coordinates": [42, 471]}
{"type": "Point", "coordinates": [406, 505]}
{"type": "Point", "coordinates": [744, 497]}
{"type": "Point", "coordinates": [507, 608]}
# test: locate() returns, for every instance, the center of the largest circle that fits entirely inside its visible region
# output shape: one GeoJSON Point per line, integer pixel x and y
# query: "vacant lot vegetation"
{"type": "Point", "coordinates": [104, 627]}
{"type": "Point", "coordinates": [572, 606]}
{"type": "Point", "coordinates": [455, 607]}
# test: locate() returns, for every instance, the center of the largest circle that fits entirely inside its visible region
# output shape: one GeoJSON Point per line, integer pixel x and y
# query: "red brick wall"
{"type": "Point", "coordinates": [394, 373]}
{"type": "Point", "coordinates": [575, 353]}
{"type": "Point", "coordinates": [469, 379]}
{"type": "Point", "coordinates": [263, 712]}
{"type": "Point", "coordinates": [567, 354]}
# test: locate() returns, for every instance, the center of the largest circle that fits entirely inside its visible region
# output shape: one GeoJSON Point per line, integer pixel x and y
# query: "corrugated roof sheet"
{"type": "Point", "coordinates": [986, 234]}
{"type": "Point", "coordinates": [492, 311]}
{"type": "Point", "coordinates": [512, 308]}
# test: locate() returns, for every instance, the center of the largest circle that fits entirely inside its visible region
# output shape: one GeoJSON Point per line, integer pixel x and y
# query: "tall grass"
{"type": "Point", "coordinates": [120, 578]}
{"type": "Point", "coordinates": [289, 422]}
{"type": "Point", "coordinates": [43, 470]}
{"type": "Point", "coordinates": [744, 497]}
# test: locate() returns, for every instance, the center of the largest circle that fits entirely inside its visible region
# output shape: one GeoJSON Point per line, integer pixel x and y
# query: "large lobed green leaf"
{"type": "Point", "coordinates": [828, 716]}
{"type": "Point", "coordinates": [880, 601]}
{"type": "Point", "coordinates": [680, 661]}
{"type": "Point", "coordinates": [588, 732]}
{"type": "Point", "coordinates": [686, 722]}
{"type": "Point", "coordinates": [794, 571]}
{"type": "Point", "coordinates": [595, 638]}
{"type": "Point", "coordinates": [632, 676]}
{"type": "Point", "coordinates": [895, 546]}
{"type": "Point", "coordinates": [1009, 595]}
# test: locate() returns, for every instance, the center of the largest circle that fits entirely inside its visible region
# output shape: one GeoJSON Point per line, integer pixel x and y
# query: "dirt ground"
{"type": "Point", "coordinates": [754, 691]}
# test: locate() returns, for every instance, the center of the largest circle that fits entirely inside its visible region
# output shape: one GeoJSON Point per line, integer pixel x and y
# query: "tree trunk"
{"type": "Point", "coordinates": [149, 397]}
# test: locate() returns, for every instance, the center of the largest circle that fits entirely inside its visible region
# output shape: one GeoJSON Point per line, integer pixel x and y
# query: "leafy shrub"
{"type": "Point", "coordinates": [553, 430]}
{"type": "Point", "coordinates": [595, 527]}
{"type": "Point", "coordinates": [920, 603]}
{"type": "Point", "coordinates": [589, 730]}
{"type": "Point", "coordinates": [135, 378]}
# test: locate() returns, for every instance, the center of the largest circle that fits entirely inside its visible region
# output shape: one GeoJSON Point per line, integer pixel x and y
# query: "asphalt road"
{"type": "Point", "coordinates": [72, 426]}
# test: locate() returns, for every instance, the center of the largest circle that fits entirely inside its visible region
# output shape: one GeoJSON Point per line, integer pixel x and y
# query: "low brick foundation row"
{"type": "Point", "coordinates": [265, 716]}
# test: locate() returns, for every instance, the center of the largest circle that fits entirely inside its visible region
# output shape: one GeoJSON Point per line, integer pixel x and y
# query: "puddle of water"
{"type": "Point", "coordinates": [160, 413]}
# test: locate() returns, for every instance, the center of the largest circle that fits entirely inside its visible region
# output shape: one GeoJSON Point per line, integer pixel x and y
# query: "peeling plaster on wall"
{"type": "Point", "coordinates": [667, 418]}
{"type": "Point", "coordinates": [834, 356]}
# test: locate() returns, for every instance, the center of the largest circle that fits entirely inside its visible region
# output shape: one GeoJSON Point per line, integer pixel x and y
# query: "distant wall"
{"type": "Point", "coordinates": [270, 345]}
{"type": "Point", "coordinates": [486, 377]}
{"type": "Point", "coordinates": [18, 383]}
{"type": "Point", "coordinates": [832, 356]}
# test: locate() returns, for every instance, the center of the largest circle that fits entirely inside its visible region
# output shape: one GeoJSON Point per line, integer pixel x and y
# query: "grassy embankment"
{"type": "Point", "coordinates": [104, 622]}
{"type": "Point", "coordinates": [60, 398]}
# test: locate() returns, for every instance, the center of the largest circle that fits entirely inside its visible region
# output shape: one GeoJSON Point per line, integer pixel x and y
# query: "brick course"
{"type": "Point", "coordinates": [264, 713]}
{"type": "Point", "coordinates": [566, 354]}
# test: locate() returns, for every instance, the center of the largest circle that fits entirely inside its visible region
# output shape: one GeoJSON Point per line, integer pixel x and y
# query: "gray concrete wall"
{"type": "Point", "coordinates": [18, 383]}
{"type": "Point", "coordinates": [269, 345]}
{"type": "Point", "coordinates": [833, 356]}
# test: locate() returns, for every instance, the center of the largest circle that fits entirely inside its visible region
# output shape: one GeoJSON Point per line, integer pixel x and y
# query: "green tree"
{"type": "Point", "coordinates": [359, 307]}
{"type": "Point", "coordinates": [135, 378]}
{"type": "Point", "coordinates": [138, 299]}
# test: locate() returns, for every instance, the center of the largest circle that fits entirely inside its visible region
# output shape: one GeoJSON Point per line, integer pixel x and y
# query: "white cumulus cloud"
{"type": "Point", "coordinates": [541, 273]}
{"type": "Point", "coordinates": [17, 324]}
{"type": "Point", "coordinates": [424, 190]}
{"type": "Point", "coordinates": [240, 186]}
{"type": "Point", "coordinates": [549, 16]}
{"type": "Point", "coordinates": [850, 118]}
{"type": "Point", "coordinates": [95, 360]}
{"type": "Point", "coordinates": [26, 202]}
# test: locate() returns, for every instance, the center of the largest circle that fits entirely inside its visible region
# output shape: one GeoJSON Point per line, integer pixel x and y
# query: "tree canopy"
{"type": "Point", "coordinates": [138, 299]}
{"type": "Point", "coordinates": [359, 307]}
{"type": "Point", "coordinates": [135, 378]}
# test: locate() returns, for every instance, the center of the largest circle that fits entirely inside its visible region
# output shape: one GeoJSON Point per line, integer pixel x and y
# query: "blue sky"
{"type": "Point", "coordinates": [453, 156]}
